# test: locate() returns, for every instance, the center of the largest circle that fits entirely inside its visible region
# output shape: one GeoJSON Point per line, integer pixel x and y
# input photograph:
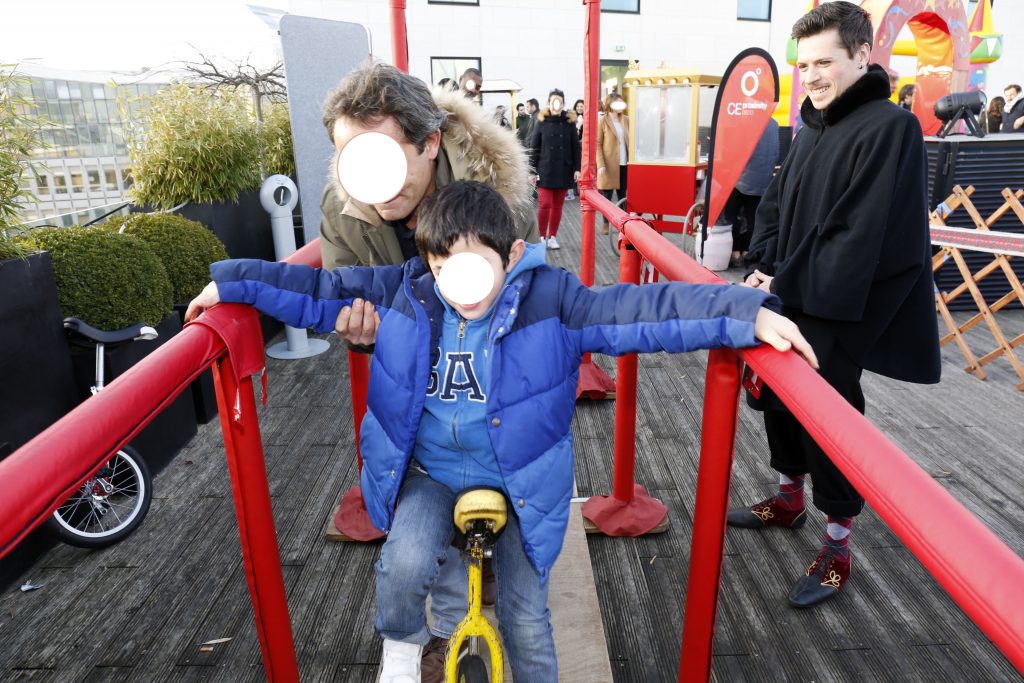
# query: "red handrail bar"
{"type": "Point", "coordinates": [978, 570]}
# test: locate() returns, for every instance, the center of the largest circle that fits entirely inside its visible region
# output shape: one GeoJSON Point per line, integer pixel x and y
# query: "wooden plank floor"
{"type": "Point", "coordinates": [140, 611]}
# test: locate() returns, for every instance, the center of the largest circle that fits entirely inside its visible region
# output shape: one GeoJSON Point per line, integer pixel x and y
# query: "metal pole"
{"type": "Point", "coordinates": [399, 37]}
{"type": "Point", "coordinates": [625, 395]}
{"type": "Point", "coordinates": [718, 440]}
{"type": "Point", "coordinates": [237, 407]}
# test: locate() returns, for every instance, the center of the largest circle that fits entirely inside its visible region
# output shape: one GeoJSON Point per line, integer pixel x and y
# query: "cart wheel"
{"type": "Point", "coordinates": [471, 669]}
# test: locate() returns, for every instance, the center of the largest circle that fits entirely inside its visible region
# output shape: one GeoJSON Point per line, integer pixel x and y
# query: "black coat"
{"type": "Point", "coordinates": [843, 228]}
{"type": "Point", "coordinates": [1016, 111]}
{"type": "Point", "coordinates": [555, 149]}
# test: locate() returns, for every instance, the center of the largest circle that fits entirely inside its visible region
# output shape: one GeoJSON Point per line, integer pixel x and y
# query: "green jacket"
{"type": "Point", "coordinates": [473, 147]}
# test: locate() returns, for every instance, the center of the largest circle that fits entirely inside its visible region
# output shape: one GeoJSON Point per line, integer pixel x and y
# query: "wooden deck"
{"type": "Point", "coordinates": [141, 610]}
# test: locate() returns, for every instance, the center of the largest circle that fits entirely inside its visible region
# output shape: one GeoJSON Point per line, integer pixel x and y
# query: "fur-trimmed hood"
{"type": "Point", "coordinates": [545, 112]}
{"type": "Point", "coordinates": [476, 147]}
{"type": "Point", "coordinates": [873, 85]}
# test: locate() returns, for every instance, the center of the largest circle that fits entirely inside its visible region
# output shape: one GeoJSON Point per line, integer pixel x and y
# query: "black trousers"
{"type": "Point", "coordinates": [739, 206]}
{"type": "Point", "coordinates": [793, 451]}
{"type": "Point", "coordinates": [622, 186]}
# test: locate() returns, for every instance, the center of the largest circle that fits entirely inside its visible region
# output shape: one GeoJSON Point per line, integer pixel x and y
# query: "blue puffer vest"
{"type": "Point", "coordinates": [543, 322]}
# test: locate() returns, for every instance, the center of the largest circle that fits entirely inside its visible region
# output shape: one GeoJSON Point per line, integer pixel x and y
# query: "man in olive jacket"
{"type": "Point", "coordinates": [841, 236]}
{"type": "Point", "coordinates": [445, 138]}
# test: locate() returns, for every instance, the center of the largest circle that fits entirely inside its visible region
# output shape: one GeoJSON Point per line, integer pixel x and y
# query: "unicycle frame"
{"type": "Point", "coordinates": [475, 626]}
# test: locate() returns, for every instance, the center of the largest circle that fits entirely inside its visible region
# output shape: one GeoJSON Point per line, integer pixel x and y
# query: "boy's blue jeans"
{"type": "Point", "coordinates": [416, 548]}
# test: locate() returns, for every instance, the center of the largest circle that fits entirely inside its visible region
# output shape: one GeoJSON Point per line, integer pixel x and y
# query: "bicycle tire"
{"type": "Point", "coordinates": [471, 669]}
{"type": "Point", "coordinates": [84, 520]}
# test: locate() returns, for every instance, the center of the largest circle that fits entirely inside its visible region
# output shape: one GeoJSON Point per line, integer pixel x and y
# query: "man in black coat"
{"type": "Point", "coordinates": [841, 236]}
{"type": "Point", "coordinates": [1013, 114]}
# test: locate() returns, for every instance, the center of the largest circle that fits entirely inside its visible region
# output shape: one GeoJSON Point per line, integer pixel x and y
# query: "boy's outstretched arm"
{"type": "Point", "coordinates": [783, 334]}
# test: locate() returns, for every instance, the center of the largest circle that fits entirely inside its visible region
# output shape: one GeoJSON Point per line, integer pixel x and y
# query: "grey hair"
{"type": "Point", "coordinates": [379, 90]}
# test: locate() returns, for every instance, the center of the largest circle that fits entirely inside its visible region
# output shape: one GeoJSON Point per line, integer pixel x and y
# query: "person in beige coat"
{"type": "Point", "coordinates": [612, 150]}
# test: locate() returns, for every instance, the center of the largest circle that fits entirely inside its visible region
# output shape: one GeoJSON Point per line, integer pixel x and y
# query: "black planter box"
{"type": "Point", "coordinates": [38, 384]}
{"type": "Point", "coordinates": [173, 428]}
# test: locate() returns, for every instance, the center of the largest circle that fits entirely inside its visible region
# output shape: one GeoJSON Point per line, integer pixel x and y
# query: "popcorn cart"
{"type": "Point", "coordinates": [670, 136]}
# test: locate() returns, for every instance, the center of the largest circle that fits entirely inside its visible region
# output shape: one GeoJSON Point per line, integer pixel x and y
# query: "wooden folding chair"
{"type": "Point", "coordinates": [1001, 261]}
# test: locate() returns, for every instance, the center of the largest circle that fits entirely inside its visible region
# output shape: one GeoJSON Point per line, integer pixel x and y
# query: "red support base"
{"type": "Point", "coordinates": [352, 519]}
{"type": "Point", "coordinates": [613, 517]}
{"type": "Point", "coordinates": [594, 383]}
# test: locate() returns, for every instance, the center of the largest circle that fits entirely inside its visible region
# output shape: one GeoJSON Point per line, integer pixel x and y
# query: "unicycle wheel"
{"type": "Point", "coordinates": [472, 669]}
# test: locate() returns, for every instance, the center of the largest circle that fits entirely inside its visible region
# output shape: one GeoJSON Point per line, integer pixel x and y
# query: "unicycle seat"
{"type": "Point", "coordinates": [480, 509]}
{"type": "Point", "coordinates": [139, 331]}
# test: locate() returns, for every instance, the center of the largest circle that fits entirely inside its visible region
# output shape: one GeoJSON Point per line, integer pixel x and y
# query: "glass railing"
{"type": "Point", "coordinates": [93, 214]}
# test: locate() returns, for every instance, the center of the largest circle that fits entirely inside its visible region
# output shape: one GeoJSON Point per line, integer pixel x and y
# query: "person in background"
{"type": "Point", "coordinates": [499, 116]}
{"type": "Point", "coordinates": [906, 97]}
{"type": "Point", "coordinates": [470, 83]}
{"type": "Point", "coordinates": [992, 119]}
{"type": "Point", "coordinates": [578, 108]}
{"type": "Point", "coordinates": [555, 159]}
{"type": "Point", "coordinates": [746, 196]}
{"type": "Point", "coordinates": [612, 151]}
{"type": "Point", "coordinates": [894, 80]}
{"type": "Point", "coordinates": [524, 130]}
{"type": "Point", "coordinates": [842, 237]}
{"type": "Point", "coordinates": [447, 84]}
{"type": "Point", "coordinates": [1013, 111]}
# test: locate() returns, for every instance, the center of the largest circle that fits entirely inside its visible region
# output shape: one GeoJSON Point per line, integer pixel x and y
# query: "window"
{"type": "Point", "coordinates": [622, 6]}
{"type": "Point", "coordinates": [454, 2]}
{"type": "Point", "coordinates": [77, 180]}
{"type": "Point", "coordinates": [110, 174]}
{"type": "Point", "coordinates": [754, 10]}
{"type": "Point", "coordinates": [98, 93]}
{"type": "Point", "coordinates": [451, 67]}
{"type": "Point", "coordinates": [60, 183]}
{"type": "Point", "coordinates": [94, 180]}
{"type": "Point", "coordinates": [126, 176]}
{"type": "Point", "coordinates": [43, 186]}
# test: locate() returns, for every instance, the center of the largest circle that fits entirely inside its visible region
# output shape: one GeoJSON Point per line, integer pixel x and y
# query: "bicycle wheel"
{"type": "Point", "coordinates": [108, 506]}
{"type": "Point", "coordinates": [613, 233]}
{"type": "Point", "coordinates": [471, 669]}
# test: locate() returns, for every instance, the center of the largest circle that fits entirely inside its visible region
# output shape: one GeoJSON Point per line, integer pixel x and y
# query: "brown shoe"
{"type": "Point", "coordinates": [489, 589]}
{"type": "Point", "coordinates": [432, 663]}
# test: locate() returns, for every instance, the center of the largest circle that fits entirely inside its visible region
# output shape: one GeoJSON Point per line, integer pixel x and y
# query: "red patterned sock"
{"type": "Point", "coordinates": [791, 492]}
{"type": "Point", "coordinates": [837, 535]}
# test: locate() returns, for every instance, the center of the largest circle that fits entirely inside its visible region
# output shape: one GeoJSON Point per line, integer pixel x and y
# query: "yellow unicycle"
{"type": "Point", "coordinates": [480, 515]}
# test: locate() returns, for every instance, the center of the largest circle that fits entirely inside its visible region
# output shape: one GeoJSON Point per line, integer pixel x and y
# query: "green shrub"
{"type": "Point", "coordinates": [108, 280]}
{"type": "Point", "coordinates": [193, 145]}
{"type": "Point", "coordinates": [276, 140]}
{"type": "Point", "coordinates": [186, 248]}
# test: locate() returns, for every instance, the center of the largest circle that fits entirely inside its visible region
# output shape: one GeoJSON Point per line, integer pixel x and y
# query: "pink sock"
{"type": "Point", "coordinates": [791, 492]}
{"type": "Point", "coordinates": [837, 534]}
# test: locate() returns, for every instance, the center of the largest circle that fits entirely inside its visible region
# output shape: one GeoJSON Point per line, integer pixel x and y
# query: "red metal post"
{"type": "Point", "coordinates": [629, 511]}
{"type": "Point", "coordinates": [399, 37]}
{"type": "Point", "coordinates": [625, 392]}
{"type": "Point", "coordinates": [256, 522]}
{"type": "Point", "coordinates": [594, 383]}
{"type": "Point", "coordinates": [714, 473]}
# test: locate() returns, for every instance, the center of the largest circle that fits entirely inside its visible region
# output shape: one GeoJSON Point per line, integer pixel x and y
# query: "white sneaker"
{"type": "Point", "coordinates": [400, 662]}
{"type": "Point", "coordinates": [553, 243]}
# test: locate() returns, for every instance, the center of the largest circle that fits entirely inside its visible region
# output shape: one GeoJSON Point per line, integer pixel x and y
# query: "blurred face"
{"type": "Point", "coordinates": [475, 311]}
{"type": "Point", "coordinates": [1010, 94]}
{"type": "Point", "coordinates": [419, 180]}
{"type": "Point", "coordinates": [617, 106]}
{"type": "Point", "coordinates": [520, 109]}
{"type": "Point", "coordinates": [555, 103]}
{"type": "Point", "coordinates": [579, 107]}
{"type": "Point", "coordinates": [826, 69]}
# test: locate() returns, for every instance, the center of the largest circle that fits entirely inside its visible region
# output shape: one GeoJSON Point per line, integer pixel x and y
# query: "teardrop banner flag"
{"type": "Point", "coordinates": [747, 98]}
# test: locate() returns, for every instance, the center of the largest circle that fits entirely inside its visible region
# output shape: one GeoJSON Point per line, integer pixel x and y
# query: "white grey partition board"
{"type": "Point", "coordinates": [317, 55]}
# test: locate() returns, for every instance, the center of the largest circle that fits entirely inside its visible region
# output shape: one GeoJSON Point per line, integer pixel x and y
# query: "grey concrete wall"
{"type": "Point", "coordinates": [317, 54]}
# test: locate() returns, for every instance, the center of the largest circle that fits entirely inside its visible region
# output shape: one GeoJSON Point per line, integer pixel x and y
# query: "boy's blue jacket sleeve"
{"type": "Point", "coordinates": [302, 296]}
{"type": "Point", "coordinates": [674, 317]}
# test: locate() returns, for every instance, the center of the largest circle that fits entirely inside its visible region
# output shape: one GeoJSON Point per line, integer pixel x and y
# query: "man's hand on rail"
{"type": "Point", "coordinates": [207, 298]}
{"type": "Point", "coordinates": [783, 334]}
{"type": "Point", "coordinates": [358, 323]}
